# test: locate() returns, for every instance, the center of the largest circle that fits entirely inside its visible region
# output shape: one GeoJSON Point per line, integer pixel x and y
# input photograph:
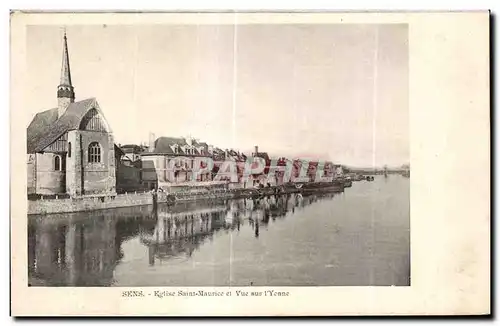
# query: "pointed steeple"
{"type": "Point", "coordinates": [65, 72]}
{"type": "Point", "coordinates": [65, 90]}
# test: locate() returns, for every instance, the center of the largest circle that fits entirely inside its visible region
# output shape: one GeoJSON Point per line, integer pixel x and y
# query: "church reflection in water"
{"type": "Point", "coordinates": [83, 249]}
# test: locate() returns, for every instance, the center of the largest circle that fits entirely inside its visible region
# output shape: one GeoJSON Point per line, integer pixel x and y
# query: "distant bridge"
{"type": "Point", "coordinates": [375, 171]}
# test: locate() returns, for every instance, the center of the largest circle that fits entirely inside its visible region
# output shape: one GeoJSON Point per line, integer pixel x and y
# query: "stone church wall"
{"type": "Point", "coordinates": [98, 177]}
{"type": "Point", "coordinates": [49, 181]}
{"type": "Point", "coordinates": [31, 170]}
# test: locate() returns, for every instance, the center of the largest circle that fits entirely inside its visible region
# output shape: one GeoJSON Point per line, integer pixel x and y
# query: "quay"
{"type": "Point", "coordinates": [51, 205]}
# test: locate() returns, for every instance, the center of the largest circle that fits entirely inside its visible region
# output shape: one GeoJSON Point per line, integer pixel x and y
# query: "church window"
{"type": "Point", "coordinates": [94, 153]}
{"type": "Point", "coordinates": [57, 163]}
{"type": "Point", "coordinates": [69, 149]}
{"type": "Point", "coordinates": [93, 121]}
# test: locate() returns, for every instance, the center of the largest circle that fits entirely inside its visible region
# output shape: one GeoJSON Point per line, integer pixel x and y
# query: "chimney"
{"type": "Point", "coordinates": [256, 150]}
{"type": "Point", "coordinates": [151, 142]}
{"type": "Point", "coordinates": [189, 140]}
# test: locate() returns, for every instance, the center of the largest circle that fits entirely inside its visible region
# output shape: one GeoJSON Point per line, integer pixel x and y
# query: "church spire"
{"type": "Point", "coordinates": [65, 91]}
{"type": "Point", "coordinates": [65, 72]}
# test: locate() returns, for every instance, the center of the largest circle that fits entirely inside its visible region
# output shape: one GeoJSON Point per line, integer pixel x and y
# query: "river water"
{"type": "Point", "coordinates": [356, 238]}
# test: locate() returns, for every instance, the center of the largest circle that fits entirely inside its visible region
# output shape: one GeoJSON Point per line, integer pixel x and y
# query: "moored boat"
{"type": "Point", "coordinates": [358, 177]}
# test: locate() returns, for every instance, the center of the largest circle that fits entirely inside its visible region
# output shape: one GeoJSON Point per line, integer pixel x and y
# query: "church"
{"type": "Point", "coordinates": [70, 148]}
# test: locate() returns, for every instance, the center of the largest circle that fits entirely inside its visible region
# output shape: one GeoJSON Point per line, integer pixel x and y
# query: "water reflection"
{"type": "Point", "coordinates": [83, 249]}
{"type": "Point", "coordinates": [73, 252]}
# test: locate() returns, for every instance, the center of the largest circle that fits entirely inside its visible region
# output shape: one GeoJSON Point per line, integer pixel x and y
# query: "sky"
{"type": "Point", "coordinates": [336, 92]}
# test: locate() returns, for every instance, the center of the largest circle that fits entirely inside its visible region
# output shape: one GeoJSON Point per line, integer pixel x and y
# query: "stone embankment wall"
{"type": "Point", "coordinates": [66, 205]}
{"type": "Point", "coordinates": [90, 203]}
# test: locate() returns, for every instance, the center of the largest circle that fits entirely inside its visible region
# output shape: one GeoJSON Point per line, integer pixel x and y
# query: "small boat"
{"type": "Point", "coordinates": [347, 182]}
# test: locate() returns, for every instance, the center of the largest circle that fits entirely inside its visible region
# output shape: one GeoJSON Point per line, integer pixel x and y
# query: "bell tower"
{"type": "Point", "coordinates": [65, 91]}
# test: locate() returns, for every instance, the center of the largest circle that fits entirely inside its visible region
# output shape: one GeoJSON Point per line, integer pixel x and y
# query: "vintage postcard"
{"type": "Point", "coordinates": [250, 164]}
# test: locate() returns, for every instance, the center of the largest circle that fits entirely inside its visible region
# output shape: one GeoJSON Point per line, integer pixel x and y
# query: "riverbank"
{"type": "Point", "coordinates": [91, 203]}
{"type": "Point", "coordinates": [288, 240]}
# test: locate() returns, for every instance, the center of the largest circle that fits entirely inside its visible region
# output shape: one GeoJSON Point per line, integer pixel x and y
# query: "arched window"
{"type": "Point", "coordinates": [57, 163]}
{"type": "Point", "coordinates": [93, 121]}
{"type": "Point", "coordinates": [69, 149]}
{"type": "Point", "coordinates": [94, 153]}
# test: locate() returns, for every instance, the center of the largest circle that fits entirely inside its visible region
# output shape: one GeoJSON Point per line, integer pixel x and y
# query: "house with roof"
{"type": "Point", "coordinates": [173, 159]}
{"type": "Point", "coordinates": [70, 148]}
{"type": "Point", "coordinates": [132, 152]}
{"type": "Point", "coordinates": [220, 157]}
{"type": "Point", "coordinates": [129, 169]}
{"type": "Point", "coordinates": [261, 178]}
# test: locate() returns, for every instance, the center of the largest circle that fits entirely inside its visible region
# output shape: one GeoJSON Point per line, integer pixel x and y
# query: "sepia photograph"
{"type": "Point", "coordinates": [237, 157]}
{"type": "Point", "coordinates": [245, 155]}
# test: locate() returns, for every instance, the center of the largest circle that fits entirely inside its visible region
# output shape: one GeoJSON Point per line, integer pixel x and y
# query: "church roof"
{"type": "Point", "coordinates": [45, 127]}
